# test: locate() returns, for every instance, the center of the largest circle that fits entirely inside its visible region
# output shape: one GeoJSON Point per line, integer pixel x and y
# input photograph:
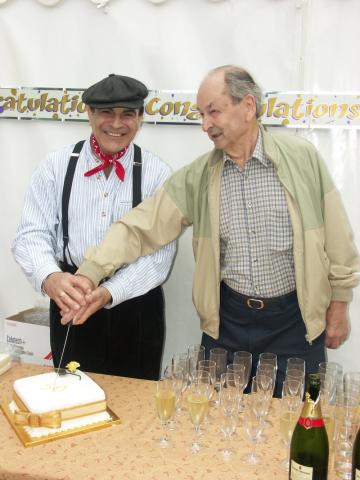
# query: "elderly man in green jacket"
{"type": "Point", "coordinates": [275, 258]}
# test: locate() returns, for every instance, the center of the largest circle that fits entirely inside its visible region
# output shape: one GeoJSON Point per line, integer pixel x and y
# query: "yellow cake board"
{"type": "Point", "coordinates": [29, 441]}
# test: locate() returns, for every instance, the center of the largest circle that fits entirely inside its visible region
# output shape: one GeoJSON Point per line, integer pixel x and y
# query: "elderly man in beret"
{"type": "Point", "coordinates": [74, 196]}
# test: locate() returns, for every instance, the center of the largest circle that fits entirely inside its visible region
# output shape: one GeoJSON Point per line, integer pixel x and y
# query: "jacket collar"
{"type": "Point", "coordinates": [270, 147]}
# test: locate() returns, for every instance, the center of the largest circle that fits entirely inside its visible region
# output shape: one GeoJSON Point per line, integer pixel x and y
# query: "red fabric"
{"type": "Point", "coordinates": [311, 422]}
{"type": "Point", "coordinates": [107, 160]}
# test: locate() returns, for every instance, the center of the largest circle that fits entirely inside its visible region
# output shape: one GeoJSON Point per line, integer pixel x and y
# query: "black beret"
{"type": "Point", "coordinates": [116, 91]}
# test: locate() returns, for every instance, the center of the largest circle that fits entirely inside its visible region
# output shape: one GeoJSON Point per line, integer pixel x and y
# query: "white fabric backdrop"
{"type": "Point", "coordinates": [286, 44]}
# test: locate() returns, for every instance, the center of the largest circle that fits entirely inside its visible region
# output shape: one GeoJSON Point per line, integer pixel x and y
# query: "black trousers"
{"type": "Point", "coordinates": [126, 340]}
{"type": "Point", "coordinates": [278, 328]}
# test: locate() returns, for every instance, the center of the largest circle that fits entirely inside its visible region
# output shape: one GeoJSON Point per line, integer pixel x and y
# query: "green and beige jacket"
{"type": "Point", "coordinates": [325, 257]}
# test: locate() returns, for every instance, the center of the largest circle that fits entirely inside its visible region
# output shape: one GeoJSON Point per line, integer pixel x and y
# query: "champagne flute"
{"type": "Point", "coordinates": [288, 418]}
{"type": "Point", "coordinates": [327, 387]}
{"type": "Point", "coordinates": [198, 405]}
{"type": "Point", "coordinates": [351, 378]}
{"type": "Point", "coordinates": [347, 407]}
{"type": "Point", "coordinates": [343, 448]}
{"type": "Point", "coordinates": [268, 360]}
{"type": "Point", "coordinates": [165, 405]}
{"type": "Point", "coordinates": [175, 374]}
{"type": "Point", "coordinates": [253, 428]}
{"type": "Point", "coordinates": [229, 392]}
{"type": "Point", "coordinates": [182, 360]}
{"type": "Point", "coordinates": [295, 374]}
{"type": "Point", "coordinates": [295, 363]}
{"type": "Point", "coordinates": [333, 369]}
{"type": "Point", "coordinates": [292, 394]}
{"type": "Point", "coordinates": [228, 424]}
{"type": "Point", "coordinates": [269, 370]}
{"type": "Point", "coordinates": [210, 367]}
{"type": "Point", "coordinates": [219, 356]}
{"type": "Point", "coordinates": [196, 350]}
{"type": "Point", "coordinates": [261, 396]}
{"type": "Point", "coordinates": [352, 384]}
{"type": "Point", "coordinates": [195, 354]}
{"type": "Point", "coordinates": [201, 376]}
{"type": "Point", "coordinates": [243, 358]}
{"type": "Point", "coordinates": [268, 357]}
{"type": "Point", "coordinates": [239, 369]}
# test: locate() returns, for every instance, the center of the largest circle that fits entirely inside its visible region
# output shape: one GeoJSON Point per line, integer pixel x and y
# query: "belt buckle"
{"type": "Point", "coordinates": [255, 303]}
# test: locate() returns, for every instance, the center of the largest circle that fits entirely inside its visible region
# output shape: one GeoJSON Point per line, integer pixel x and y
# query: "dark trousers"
{"type": "Point", "coordinates": [126, 340]}
{"type": "Point", "coordinates": [278, 328]}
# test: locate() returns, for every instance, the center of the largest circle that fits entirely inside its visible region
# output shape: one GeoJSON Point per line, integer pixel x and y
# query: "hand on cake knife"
{"type": "Point", "coordinates": [62, 353]}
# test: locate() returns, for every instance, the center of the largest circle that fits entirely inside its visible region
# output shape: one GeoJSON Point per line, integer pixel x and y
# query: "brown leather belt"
{"type": "Point", "coordinates": [257, 303]}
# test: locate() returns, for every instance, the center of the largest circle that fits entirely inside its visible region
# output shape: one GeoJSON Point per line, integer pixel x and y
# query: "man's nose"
{"type": "Point", "coordinates": [117, 121]}
{"type": "Point", "coordinates": [205, 123]}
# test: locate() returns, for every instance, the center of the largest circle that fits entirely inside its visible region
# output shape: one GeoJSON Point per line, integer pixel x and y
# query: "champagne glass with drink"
{"type": "Point", "coordinates": [165, 405]}
{"type": "Point", "coordinates": [198, 405]}
{"type": "Point", "coordinates": [175, 374]}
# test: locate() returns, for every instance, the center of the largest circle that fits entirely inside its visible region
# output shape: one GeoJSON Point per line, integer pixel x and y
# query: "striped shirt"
{"type": "Point", "coordinates": [256, 234]}
{"type": "Point", "coordinates": [95, 203]}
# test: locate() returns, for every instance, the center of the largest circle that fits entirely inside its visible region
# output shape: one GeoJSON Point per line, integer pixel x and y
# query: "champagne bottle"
{"type": "Point", "coordinates": [309, 448]}
{"type": "Point", "coordinates": [356, 458]}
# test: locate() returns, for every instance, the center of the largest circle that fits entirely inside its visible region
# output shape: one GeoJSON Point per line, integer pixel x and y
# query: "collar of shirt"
{"type": "Point", "coordinates": [258, 153]}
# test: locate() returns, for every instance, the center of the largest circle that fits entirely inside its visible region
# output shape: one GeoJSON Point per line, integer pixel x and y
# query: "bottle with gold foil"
{"type": "Point", "coordinates": [309, 449]}
{"type": "Point", "coordinates": [356, 458]}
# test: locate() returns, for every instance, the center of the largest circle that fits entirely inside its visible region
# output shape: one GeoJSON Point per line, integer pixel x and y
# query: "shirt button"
{"type": "Point", "coordinates": [103, 214]}
{"type": "Point", "coordinates": [106, 194]}
{"type": "Point", "coordinates": [249, 204]}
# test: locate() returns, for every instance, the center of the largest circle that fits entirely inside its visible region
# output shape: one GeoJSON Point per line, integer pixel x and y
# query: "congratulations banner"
{"type": "Point", "coordinates": [292, 109]}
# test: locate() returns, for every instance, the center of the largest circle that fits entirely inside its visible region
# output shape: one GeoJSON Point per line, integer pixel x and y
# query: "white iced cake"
{"type": "Point", "coordinates": [50, 403]}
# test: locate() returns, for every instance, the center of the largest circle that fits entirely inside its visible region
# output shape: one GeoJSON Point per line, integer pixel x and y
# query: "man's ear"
{"type": "Point", "coordinates": [250, 104]}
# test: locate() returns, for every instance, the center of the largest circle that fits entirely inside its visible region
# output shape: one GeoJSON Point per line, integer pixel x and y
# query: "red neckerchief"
{"type": "Point", "coordinates": [107, 160]}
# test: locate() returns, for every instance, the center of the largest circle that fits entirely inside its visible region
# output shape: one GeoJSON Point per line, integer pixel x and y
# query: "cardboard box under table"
{"type": "Point", "coordinates": [27, 336]}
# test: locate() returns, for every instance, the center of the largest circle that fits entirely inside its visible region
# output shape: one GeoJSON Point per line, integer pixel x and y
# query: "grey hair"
{"type": "Point", "coordinates": [239, 83]}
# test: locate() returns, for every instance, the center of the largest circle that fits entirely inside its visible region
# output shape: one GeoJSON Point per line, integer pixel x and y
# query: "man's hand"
{"type": "Point", "coordinates": [68, 291]}
{"type": "Point", "coordinates": [337, 324]}
{"type": "Point", "coordinates": [94, 301]}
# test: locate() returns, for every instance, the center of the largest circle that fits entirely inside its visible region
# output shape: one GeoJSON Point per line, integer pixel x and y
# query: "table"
{"type": "Point", "coordinates": [129, 450]}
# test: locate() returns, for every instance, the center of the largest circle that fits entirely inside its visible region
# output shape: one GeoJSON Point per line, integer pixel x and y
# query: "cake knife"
{"type": "Point", "coordinates": [62, 353]}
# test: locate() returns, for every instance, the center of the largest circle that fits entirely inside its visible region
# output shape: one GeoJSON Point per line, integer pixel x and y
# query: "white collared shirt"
{"type": "Point", "coordinates": [95, 203]}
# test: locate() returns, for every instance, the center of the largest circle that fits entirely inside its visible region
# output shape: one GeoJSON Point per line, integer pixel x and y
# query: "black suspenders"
{"type": "Point", "coordinates": [136, 176]}
{"type": "Point", "coordinates": [66, 195]}
{"type": "Point", "coordinates": [137, 166]}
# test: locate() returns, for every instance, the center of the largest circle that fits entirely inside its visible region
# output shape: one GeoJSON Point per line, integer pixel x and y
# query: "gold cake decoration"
{"type": "Point", "coordinates": [72, 366]}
